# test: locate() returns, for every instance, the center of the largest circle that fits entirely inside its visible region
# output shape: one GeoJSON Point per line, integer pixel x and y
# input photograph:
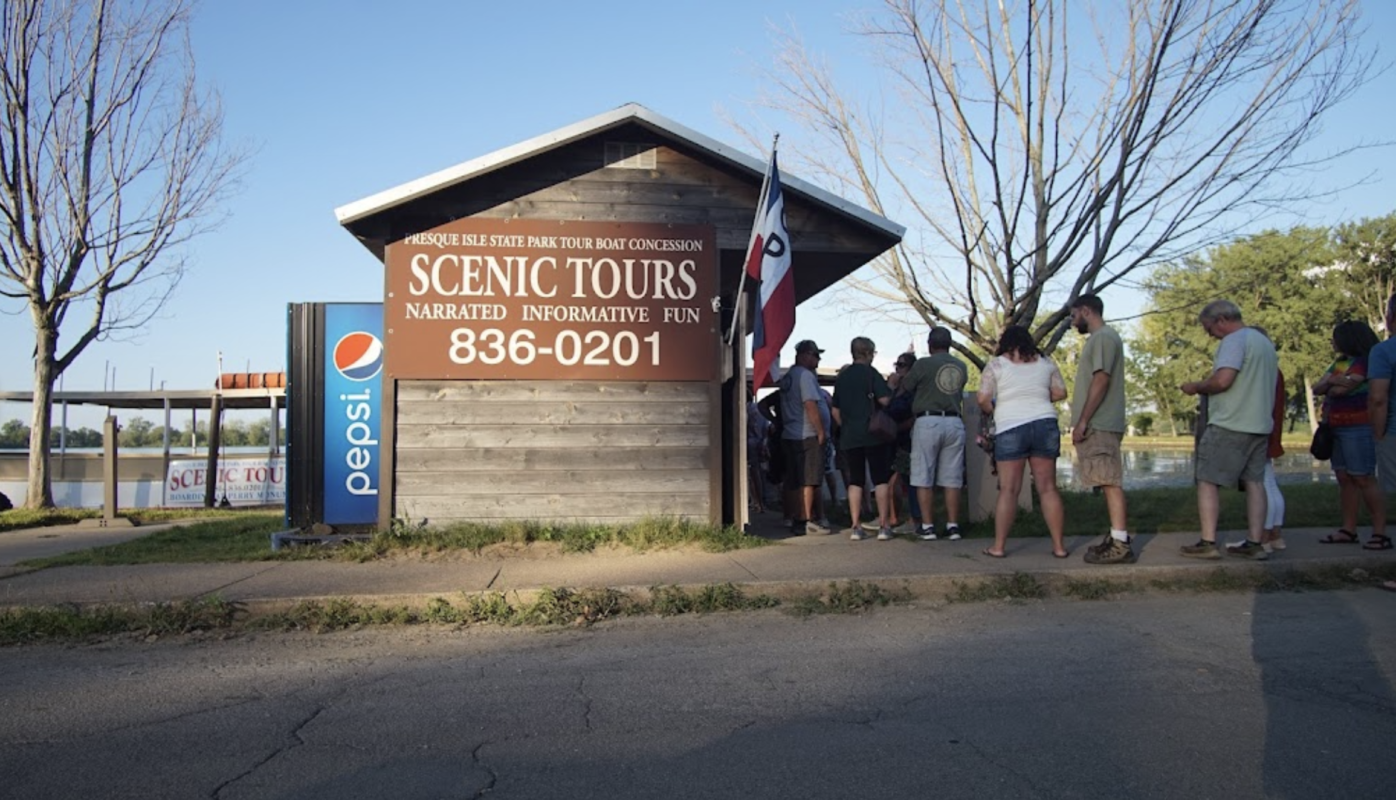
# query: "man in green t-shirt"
{"type": "Point", "coordinates": [1098, 423]}
{"type": "Point", "coordinates": [938, 435]}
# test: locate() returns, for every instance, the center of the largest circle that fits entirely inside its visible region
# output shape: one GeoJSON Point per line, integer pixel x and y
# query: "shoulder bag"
{"type": "Point", "coordinates": [881, 426]}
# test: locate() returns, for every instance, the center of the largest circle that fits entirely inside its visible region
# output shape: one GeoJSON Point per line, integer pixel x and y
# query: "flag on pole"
{"type": "Point", "coordinates": [768, 261]}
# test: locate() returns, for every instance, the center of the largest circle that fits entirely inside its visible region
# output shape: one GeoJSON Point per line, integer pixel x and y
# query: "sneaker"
{"type": "Point", "coordinates": [857, 535]}
{"type": "Point", "coordinates": [1110, 551]}
{"type": "Point", "coordinates": [927, 533]}
{"type": "Point", "coordinates": [1264, 545]}
{"type": "Point", "coordinates": [886, 535]}
{"type": "Point", "coordinates": [870, 527]}
{"type": "Point", "coordinates": [1277, 543]}
{"type": "Point", "coordinates": [1252, 550]}
{"type": "Point", "coordinates": [952, 532]}
{"type": "Point", "coordinates": [825, 523]}
{"type": "Point", "coordinates": [904, 529]}
{"type": "Point", "coordinates": [1203, 549]}
{"type": "Point", "coordinates": [797, 528]}
{"type": "Point", "coordinates": [813, 528]}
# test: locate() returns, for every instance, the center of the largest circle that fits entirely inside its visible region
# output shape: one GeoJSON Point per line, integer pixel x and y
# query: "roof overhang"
{"type": "Point", "coordinates": [350, 214]}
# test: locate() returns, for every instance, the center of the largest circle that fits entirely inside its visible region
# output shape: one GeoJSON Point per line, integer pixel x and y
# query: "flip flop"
{"type": "Point", "coordinates": [1340, 536]}
{"type": "Point", "coordinates": [991, 554]}
{"type": "Point", "coordinates": [1055, 554]}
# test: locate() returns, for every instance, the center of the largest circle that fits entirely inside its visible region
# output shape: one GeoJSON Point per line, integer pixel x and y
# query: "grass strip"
{"type": "Point", "coordinates": [561, 607]}
{"type": "Point", "coordinates": [581, 608]}
{"type": "Point", "coordinates": [21, 518]}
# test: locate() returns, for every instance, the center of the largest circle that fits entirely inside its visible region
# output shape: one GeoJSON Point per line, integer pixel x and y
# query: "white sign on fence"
{"type": "Point", "coordinates": [244, 481]}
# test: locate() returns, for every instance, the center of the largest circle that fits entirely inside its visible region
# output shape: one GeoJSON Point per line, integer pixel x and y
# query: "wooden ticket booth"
{"type": "Point", "coordinates": [554, 320]}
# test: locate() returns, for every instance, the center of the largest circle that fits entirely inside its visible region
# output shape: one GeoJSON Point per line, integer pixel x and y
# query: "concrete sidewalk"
{"type": "Point", "coordinates": [791, 566]}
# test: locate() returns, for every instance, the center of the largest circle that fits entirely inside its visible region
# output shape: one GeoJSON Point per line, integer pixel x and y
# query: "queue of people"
{"type": "Point", "coordinates": [1019, 389]}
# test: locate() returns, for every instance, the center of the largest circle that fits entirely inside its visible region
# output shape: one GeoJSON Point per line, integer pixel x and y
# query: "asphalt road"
{"type": "Point", "coordinates": [1158, 696]}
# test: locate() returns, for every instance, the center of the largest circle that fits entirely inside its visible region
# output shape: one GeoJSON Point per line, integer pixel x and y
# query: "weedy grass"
{"type": "Point", "coordinates": [1018, 586]}
{"type": "Point", "coordinates": [19, 518]}
{"type": "Point", "coordinates": [646, 534]}
{"type": "Point", "coordinates": [554, 607]}
{"type": "Point", "coordinates": [1096, 588]}
{"type": "Point", "coordinates": [246, 536]}
{"type": "Point", "coordinates": [29, 625]}
{"type": "Point", "coordinates": [850, 597]}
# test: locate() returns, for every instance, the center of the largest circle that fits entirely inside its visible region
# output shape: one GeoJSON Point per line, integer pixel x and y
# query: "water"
{"type": "Point", "coordinates": [1155, 469]}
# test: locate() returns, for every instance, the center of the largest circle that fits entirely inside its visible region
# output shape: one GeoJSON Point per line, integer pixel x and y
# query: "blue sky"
{"type": "Point", "coordinates": [344, 99]}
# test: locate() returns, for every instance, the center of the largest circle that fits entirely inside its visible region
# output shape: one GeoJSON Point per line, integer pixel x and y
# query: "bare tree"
{"type": "Point", "coordinates": [1040, 155]}
{"type": "Point", "coordinates": [111, 161]}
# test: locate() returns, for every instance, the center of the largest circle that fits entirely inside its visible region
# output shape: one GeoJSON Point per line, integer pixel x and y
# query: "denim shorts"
{"type": "Point", "coordinates": [1354, 450]}
{"type": "Point", "coordinates": [1040, 438]}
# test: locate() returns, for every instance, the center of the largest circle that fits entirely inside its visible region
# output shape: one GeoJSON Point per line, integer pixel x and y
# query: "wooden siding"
{"type": "Point", "coordinates": [489, 451]}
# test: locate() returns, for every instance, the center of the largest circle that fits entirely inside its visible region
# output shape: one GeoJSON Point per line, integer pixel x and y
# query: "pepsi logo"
{"type": "Point", "coordinates": [358, 356]}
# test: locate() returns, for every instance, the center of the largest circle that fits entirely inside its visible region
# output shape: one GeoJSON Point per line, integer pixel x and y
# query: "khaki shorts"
{"type": "Point", "coordinates": [1098, 459]}
{"type": "Point", "coordinates": [1225, 457]}
{"type": "Point", "coordinates": [804, 462]}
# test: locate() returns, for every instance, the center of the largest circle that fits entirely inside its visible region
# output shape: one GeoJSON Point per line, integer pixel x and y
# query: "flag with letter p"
{"type": "Point", "coordinates": [768, 261]}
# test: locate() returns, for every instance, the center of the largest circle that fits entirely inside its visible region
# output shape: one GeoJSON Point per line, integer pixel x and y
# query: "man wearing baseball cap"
{"type": "Point", "coordinates": [803, 434]}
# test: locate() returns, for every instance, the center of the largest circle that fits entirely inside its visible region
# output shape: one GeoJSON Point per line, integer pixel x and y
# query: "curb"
{"type": "Point", "coordinates": [941, 588]}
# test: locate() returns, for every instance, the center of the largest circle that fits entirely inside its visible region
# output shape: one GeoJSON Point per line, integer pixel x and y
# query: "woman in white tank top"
{"type": "Point", "coordinates": [1019, 387]}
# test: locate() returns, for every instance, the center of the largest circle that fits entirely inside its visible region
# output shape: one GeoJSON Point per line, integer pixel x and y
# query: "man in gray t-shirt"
{"type": "Point", "coordinates": [803, 412]}
{"type": "Point", "coordinates": [1098, 424]}
{"type": "Point", "coordinates": [1241, 399]}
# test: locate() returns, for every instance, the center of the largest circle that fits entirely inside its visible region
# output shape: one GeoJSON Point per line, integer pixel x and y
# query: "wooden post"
{"type": "Point", "coordinates": [109, 472]}
{"type": "Point", "coordinates": [215, 424]}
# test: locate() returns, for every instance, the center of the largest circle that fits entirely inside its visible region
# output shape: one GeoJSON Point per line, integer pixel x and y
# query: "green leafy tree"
{"type": "Point", "coordinates": [83, 437]}
{"type": "Point", "coordinates": [1366, 259]}
{"type": "Point", "coordinates": [1282, 282]}
{"type": "Point", "coordinates": [234, 433]}
{"type": "Point", "coordinates": [137, 432]}
{"type": "Point", "coordinates": [14, 434]}
{"type": "Point", "coordinates": [1143, 423]}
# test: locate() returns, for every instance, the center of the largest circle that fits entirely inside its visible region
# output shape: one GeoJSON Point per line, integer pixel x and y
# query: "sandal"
{"type": "Point", "coordinates": [991, 554]}
{"type": "Point", "coordinates": [1340, 536]}
{"type": "Point", "coordinates": [1378, 542]}
{"type": "Point", "coordinates": [1063, 554]}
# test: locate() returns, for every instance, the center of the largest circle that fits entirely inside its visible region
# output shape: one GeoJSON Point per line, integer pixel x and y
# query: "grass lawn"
{"type": "Point", "coordinates": [245, 535]}
{"type": "Point", "coordinates": [17, 518]}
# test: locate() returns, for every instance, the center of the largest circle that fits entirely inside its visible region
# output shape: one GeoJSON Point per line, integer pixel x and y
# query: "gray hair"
{"type": "Point", "coordinates": [1218, 310]}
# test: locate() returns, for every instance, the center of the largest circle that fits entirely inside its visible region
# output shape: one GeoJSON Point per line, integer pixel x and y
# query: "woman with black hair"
{"type": "Point", "coordinates": [1019, 387]}
{"type": "Point", "coordinates": [1344, 391]}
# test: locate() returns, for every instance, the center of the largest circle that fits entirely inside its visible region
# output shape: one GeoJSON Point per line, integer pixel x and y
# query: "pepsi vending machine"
{"type": "Point", "coordinates": [333, 413]}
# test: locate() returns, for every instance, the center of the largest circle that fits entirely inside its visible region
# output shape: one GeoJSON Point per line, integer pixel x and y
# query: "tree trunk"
{"type": "Point", "coordinates": [1314, 407]}
{"type": "Point", "coordinates": [41, 423]}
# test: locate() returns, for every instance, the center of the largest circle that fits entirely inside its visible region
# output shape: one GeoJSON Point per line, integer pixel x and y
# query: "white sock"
{"type": "Point", "coordinates": [1122, 536]}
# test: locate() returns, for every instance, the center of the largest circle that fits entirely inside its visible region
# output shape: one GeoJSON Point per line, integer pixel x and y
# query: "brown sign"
{"type": "Point", "coordinates": [532, 299]}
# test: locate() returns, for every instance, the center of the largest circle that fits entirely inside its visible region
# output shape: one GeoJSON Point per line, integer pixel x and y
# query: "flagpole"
{"type": "Point", "coordinates": [755, 227]}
